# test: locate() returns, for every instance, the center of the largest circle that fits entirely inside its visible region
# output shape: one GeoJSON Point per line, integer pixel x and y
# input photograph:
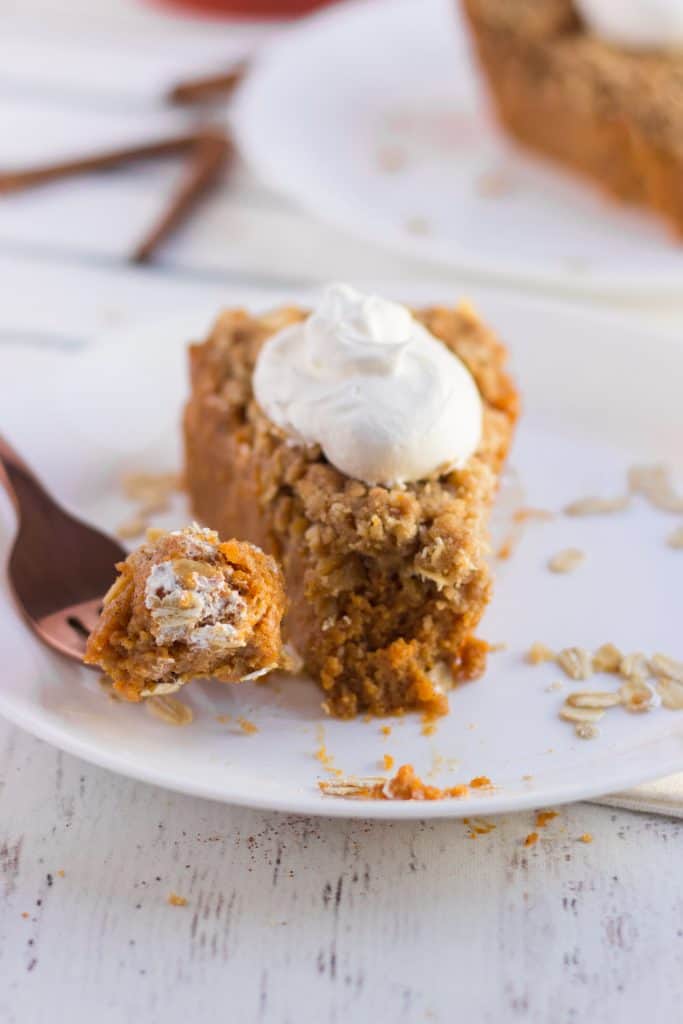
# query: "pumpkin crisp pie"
{"type": "Point", "coordinates": [386, 583]}
{"type": "Point", "coordinates": [187, 605]}
{"type": "Point", "coordinates": [612, 113]}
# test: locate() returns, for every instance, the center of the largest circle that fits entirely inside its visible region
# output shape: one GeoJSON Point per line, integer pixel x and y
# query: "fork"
{"type": "Point", "coordinates": [59, 567]}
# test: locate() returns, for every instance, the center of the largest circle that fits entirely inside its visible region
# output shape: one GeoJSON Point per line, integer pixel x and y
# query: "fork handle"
{"type": "Point", "coordinates": [15, 475]}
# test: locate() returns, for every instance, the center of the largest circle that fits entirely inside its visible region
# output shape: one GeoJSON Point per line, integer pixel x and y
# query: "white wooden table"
{"type": "Point", "coordinates": [287, 919]}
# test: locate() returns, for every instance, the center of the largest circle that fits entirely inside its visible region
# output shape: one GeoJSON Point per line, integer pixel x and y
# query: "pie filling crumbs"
{"type": "Point", "coordinates": [403, 785]}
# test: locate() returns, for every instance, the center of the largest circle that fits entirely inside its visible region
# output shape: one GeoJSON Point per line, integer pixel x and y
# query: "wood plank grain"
{"type": "Point", "coordinates": [294, 919]}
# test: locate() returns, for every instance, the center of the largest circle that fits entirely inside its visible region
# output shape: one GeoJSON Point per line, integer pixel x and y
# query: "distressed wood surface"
{"type": "Point", "coordinates": [307, 920]}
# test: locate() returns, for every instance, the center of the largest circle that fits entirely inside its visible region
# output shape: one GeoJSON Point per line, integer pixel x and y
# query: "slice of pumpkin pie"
{"type": "Point", "coordinates": [361, 445]}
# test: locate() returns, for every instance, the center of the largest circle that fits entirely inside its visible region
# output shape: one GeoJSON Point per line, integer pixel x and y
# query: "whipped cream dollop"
{"type": "Point", "coordinates": [635, 24]}
{"type": "Point", "coordinates": [386, 401]}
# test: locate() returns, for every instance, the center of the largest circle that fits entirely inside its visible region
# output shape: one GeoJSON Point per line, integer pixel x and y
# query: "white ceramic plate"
{"type": "Point", "coordinates": [334, 100]}
{"type": "Point", "coordinates": [598, 394]}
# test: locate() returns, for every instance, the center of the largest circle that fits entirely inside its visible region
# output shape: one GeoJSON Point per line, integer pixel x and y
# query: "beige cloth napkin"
{"type": "Point", "coordinates": [665, 796]}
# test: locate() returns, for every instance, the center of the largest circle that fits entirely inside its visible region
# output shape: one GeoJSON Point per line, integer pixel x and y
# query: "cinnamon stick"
{"type": "Point", "coordinates": [207, 88]}
{"type": "Point", "coordinates": [210, 155]}
{"type": "Point", "coordinates": [14, 181]}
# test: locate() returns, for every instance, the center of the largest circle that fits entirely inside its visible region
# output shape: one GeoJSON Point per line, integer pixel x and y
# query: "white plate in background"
{"type": "Point", "coordinates": [372, 117]}
{"type": "Point", "coordinates": [598, 394]}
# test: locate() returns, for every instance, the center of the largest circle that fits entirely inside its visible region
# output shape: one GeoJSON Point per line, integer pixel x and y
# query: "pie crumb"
{"type": "Point", "coordinates": [566, 561]}
{"type": "Point", "coordinates": [428, 724]}
{"type": "Point", "coordinates": [387, 762]}
{"type": "Point", "coordinates": [675, 539]}
{"type": "Point", "coordinates": [607, 658]}
{"type": "Point", "coordinates": [531, 839]}
{"type": "Point", "coordinates": [543, 817]}
{"type": "Point", "coordinates": [478, 827]}
{"type": "Point", "coordinates": [405, 784]}
{"type": "Point", "coordinates": [174, 900]}
{"type": "Point", "coordinates": [586, 837]}
{"type": "Point", "coordinates": [418, 226]}
{"type": "Point", "coordinates": [538, 653]}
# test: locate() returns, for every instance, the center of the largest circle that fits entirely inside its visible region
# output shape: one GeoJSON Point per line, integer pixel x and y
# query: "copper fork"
{"type": "Point", "coordinates": [59, 567]}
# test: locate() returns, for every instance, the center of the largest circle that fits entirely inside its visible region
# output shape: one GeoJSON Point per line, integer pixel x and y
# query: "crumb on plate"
{"type": "Point", "coordinates": [174, 900]}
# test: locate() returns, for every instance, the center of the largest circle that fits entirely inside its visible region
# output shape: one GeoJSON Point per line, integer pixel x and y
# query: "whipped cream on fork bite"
{"type": "Point", "coordinates": [387, 402]}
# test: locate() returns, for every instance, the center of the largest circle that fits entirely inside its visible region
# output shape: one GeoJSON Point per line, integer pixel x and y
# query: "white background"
{"type": "Point", "coordinates": [288, 919]}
